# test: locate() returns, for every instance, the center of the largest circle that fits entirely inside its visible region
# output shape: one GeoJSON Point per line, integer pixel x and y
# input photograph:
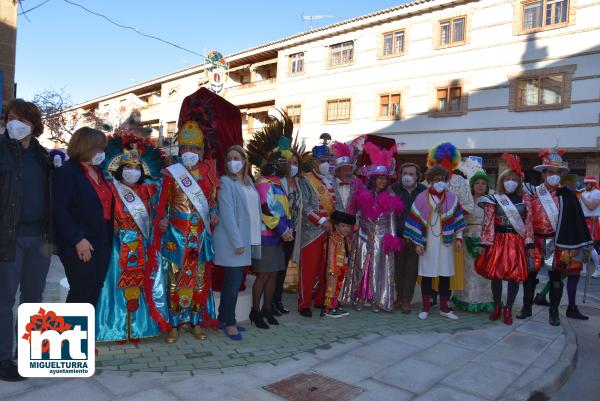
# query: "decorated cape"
{"type": "Point", "coordinates": [572, 231]}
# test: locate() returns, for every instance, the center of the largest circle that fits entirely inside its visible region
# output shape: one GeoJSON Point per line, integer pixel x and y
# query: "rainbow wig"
{"type": "Point", "coordinates": [444, 154]}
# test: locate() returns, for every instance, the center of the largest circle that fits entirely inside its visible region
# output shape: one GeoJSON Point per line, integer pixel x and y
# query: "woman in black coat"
{"type": "Point", "coordinates": [83, 208]}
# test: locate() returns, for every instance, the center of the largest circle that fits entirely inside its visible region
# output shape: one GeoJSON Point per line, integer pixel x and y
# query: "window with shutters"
{"type": "Point", "coordinates": [389, 106]}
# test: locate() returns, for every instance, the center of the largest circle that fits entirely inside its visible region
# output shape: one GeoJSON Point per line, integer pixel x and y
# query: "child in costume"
{"type": "Point", "coordinates": [126, 309]}
{"type": "Point", "coordinates": [371, 278]}
{"type": "Point", "coordinates": [338, 261]}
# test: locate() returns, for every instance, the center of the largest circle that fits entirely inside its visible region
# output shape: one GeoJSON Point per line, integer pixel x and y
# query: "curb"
{"type": "Point", "coordinates": [548, 383]}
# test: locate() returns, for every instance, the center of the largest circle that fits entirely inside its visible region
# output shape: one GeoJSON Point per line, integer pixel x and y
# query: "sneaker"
{"type": "Point", "coordinates": [423, 315]}
{"type": "Point", "coordinates": [9, 371]}
{"type": "Point", "coordinates": [450, 315]}
{"type": "Point", "coordinates": [596, 274]}
{"type": "Point", "coordinates": [358, 307]}
{"type": "Point", "coordinates": [336, 313]}
{"type": "Point", "coordinates": [375, 308]}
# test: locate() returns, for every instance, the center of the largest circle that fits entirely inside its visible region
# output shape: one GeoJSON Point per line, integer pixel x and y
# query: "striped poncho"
{"type": "Point", "coordinates": [418, 218]}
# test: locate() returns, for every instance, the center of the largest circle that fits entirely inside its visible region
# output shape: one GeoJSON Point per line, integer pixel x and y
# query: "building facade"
{"type": "Point", "coordinates": [8, 44]}
{"type": "Point", "coordinates": [490, 76]}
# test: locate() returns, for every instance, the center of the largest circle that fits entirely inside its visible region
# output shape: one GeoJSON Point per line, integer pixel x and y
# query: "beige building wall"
{"type": "Point", "coordinates": [8, 45]}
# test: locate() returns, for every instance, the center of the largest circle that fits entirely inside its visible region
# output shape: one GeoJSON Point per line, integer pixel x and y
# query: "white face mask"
{"type": "Point", "coordinates": [439, 186]}
{"type": "Point", "coordinates": [98, 158]}
{"type": "Point", "coordinates": [408, 180]}
{"type": "Point", "coordinates": [293, 170]}
{"type": "Point", "coordinates": [324, 168]}
{"type": "Point", "coordinates": [131, 175]}
{"type": "Point", "coordinates": [510, 186]}
{"type": "Point", "coordinates": [18, 130]}
{"type": "Point", "coordinates": [190, 159]}
{"type": "Point", "coordinates": [553, 180]}
{"type": "Point", "coordinates": [235, 166]}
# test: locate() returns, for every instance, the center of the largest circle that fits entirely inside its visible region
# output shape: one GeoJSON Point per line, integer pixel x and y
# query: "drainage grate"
{"type": "Point", "coordinates": [311, 386]}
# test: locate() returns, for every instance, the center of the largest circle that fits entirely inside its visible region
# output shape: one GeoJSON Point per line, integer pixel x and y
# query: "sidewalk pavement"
{"type": "Point", "coordinates": [497, 362]}
{"type": "Point", "coordinates": [383, 356]}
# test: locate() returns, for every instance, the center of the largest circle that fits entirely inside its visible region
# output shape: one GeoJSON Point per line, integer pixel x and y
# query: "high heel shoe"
{"type": "Point", "coordinates": [256, 318]}
{"type": "Point", "coordinates": [281, 308]}
{"type": "Point", "coordinates": [275, 310]}
{"type": "Point", "coordinates": [268, 314]}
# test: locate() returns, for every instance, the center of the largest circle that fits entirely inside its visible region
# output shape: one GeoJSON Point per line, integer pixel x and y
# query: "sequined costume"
{"type": "Point", "coordinates": [371, 277]}
{"type": "Point", "coordinates": [186, 248]}
{"type": "Point", "coordinates": [123, 312]}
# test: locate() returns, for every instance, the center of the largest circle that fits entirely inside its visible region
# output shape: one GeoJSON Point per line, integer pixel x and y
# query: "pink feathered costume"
{"type": "Point", "coordinates": [371, 276]}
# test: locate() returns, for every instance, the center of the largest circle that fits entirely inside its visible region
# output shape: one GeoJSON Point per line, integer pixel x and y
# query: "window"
{"type": "Point", "coordinates": [449, 100]}
{"type": "Point", "coordinates": [393, 43]}
{"type": "Point", "coordinates": [296, 62]}
{"type": "Point", "coordinates": [294, 113]}
{"type": "Point", "coordinates": [171, 129]}
{"type": "Point", "coordinates": [341, 54]}
{"type": "Point", "coordinates": [452, 31]}
{"type": "Point", "coordinates": [543, 90]}
{"type": "Point", "coordinates": [389, 106]}
{"type": "Point", "coordinates": [538, 14]}
{"type": "Point", "coordinates": [338, 110]}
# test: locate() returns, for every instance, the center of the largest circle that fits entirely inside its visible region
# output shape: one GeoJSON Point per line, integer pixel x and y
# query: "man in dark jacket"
{"type": "Point", "coordinates": [407, 261]}
{"type": "Point", "coordinates": [24, 220]}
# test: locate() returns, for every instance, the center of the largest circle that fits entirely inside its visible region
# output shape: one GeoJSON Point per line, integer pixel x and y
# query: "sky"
{"type": "Point", "coordinates": [62, 46]}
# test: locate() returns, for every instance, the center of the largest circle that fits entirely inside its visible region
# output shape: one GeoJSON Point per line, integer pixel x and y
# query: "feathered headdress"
{"type": "Point", "coordinates": [444, 154]}
{"type": "Point", "coordinates": [513, 162]}
{"type": "Point", "coordinates": [124, 145]}
{"type": "Point", "coordinates": [276, 135]}
{"type": "Point", "coordinates": [344, 154]}
{"type": "Point", "coordinates": [382, 160]}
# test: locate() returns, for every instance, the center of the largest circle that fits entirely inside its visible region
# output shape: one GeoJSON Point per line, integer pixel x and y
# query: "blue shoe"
{"type": "Point", "coordinates": [234, 337]}
{"type": "Point", "coordinates": [222, 327]}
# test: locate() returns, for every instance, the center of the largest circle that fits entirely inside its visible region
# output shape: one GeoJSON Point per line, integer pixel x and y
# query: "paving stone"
{"type": "Point", "coordinates": [381, 392]}
{"type": "Point", "coordinates": [11, 388]}
{"type": "Point", "coordinates": [384, 352]}
{"type": "Point", "coordinates": [412, 374]}
{"type": "Point", "coordinates": [481, 380]}
{"type": "Point", "coordinates": [508, 359]}
{"type": "Point", "coordinates": [255, 395]}
{"type": "Point", "coordinates": [419, 340]}
{"type": "Point", "coordinates": [532, 373]}
{"type": "Point", "coordinates": [445, 355]}
{"type": "Point", "coordinates": [150, 395]}
{"type": "Point", "coordinates": [521, 341]}
{"type": "Point", "coordinates": [478, 340]}
{"type": "Point", "coordinates": [349, 369]}
{"type": "Point", "coordinates": [541, 329]}
{"type": "Point", "coordinates": [71, 389]}
{"type": "Point", "coordinates": [443, 393]}
{"type": "Point", "coordinates": [120, 385]}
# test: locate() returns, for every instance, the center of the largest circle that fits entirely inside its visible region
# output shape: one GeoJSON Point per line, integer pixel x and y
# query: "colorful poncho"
{"type": "Point", "coordinates": [417, 220]}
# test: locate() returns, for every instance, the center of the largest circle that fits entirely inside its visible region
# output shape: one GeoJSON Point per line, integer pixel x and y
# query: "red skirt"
{"type": "Point", "coordinates": [505, 260]}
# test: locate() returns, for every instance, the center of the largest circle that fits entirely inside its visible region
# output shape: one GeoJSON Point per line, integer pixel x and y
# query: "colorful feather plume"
{"type": "Point", "coordinates": [513, 162]}
{"type": "Point", "coordinates": [378, 156]}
